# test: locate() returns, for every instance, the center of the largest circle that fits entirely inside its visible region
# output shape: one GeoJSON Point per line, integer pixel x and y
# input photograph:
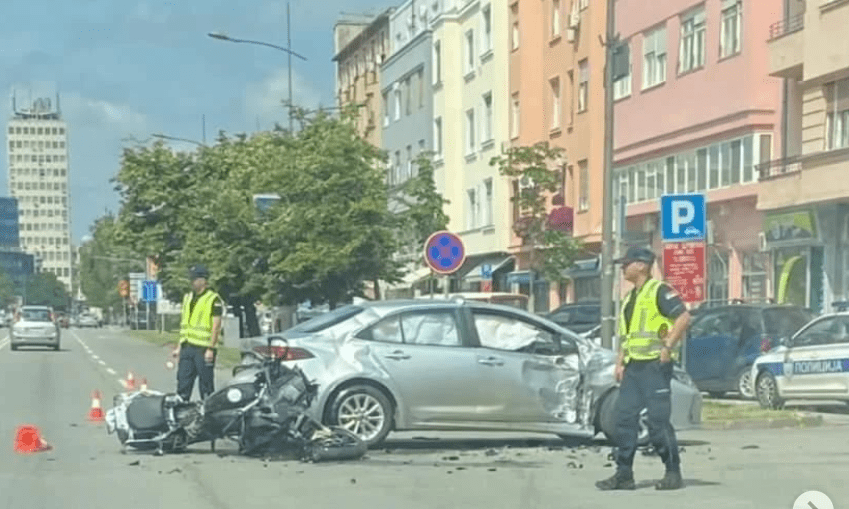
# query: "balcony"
{"type": "Point", "coordinates": [778, 167]}
{"type": "Point", "coordinates": [786, 46]}
{"type": "Point", "coordinates": [812, 178]}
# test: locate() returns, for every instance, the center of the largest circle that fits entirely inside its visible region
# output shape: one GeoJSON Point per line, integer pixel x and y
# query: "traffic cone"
{"type": "Point", "coordinates": [28, 441]}
{"type": "Point", "coordinates": [96, 412]}
{"type": "Point", "coordinates": [131, 381]}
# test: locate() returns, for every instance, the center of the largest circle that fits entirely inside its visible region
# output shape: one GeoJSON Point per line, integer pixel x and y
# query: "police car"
{"type": "Point", "coordinates": [813, 364]}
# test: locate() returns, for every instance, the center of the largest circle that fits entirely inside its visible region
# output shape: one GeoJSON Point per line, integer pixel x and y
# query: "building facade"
{"type": "Point", "coordinates": [407, 106]}
{"type": "Point", "coordinates": [557, 96]}
{"type": "Point", "coordinates": [358, 63]}
{"type": "Point", "coordinates": [697, 113]}
{"type": "Point", "coordinates": [804, 191]}
{"type": "Point", "coordinates": [470, 84]}
{"type": "Point", "coordinates": [9, 224]}
{"type": "Point", "coordinates": [37, 140]}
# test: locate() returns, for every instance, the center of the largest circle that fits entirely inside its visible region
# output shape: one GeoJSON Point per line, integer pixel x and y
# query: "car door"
{"type": "Point", "coordinates": [531, 370]}
{"type": "Point", "coordinates": [425, 355]}
{"type": "Point", "coordinates": [806, 363]}
{"type": "Point", "coordinates": [712, 344]}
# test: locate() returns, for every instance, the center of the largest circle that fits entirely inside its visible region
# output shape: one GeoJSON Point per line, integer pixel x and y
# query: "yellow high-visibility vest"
{"type": "Point", "coordinates": [196, 326]}
{"type": "Point", "coordinates": [643, 340]}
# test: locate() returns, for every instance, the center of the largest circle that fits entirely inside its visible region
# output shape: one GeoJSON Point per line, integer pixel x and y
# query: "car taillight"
{"type": "Point", "coordinates": [296, 354]}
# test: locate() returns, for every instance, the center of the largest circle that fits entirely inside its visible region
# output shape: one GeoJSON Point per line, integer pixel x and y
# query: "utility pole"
{"type": "Point", "coordinates": [289, 47]}
{"type": "Point", "coordinates": [607, 319]}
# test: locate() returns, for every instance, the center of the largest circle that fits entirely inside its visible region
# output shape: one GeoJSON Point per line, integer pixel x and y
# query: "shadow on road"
{"type": "Point", "coordinates": [688, 483]}
{"type": "Point", "coordinates": [427, 444]}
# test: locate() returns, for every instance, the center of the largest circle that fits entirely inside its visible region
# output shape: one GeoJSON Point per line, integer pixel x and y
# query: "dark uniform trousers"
{"type": "Point", "coordinates": [646, 384]}
{"type": "Point", "coordinates": [192, 365]}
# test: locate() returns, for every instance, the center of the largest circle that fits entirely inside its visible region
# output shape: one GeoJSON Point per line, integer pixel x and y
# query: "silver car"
{"type": "Point", "coordinates": [35, 326]}
{"type": "Point", "coordinates": [458, 365]}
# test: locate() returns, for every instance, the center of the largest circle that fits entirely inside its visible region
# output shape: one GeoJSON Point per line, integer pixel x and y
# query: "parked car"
{"type": "Point", "coordinates": [436, 364]}
{"type": "Point", "coordinates": [88, 321]}
{"type": "Point", "coordinates": [812, 364]}
{"type": "Point", "coordinates": [579, 317]}
{"type": "Point", "coordinates": [723, 342]}
{"type": "Point", "coordinates": [35, 326]}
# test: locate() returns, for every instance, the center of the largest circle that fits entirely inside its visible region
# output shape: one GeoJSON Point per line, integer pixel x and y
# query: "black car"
{"type": "Point", "coordinates": [578, 317]}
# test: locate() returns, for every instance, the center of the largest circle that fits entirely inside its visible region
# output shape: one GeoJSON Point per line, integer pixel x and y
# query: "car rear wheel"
{"type": "Point", "coordinates": [767, 392]}
{"type": "Point", "coordinates": [365, 411]}
{"type": "Point", "coordinates": [744, 383]}
{"type": "Point", "coordinates": [607, 420]}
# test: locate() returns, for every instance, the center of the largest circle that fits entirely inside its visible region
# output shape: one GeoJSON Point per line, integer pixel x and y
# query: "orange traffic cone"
{"type": "Point", "coordinates": [131, 381]}
{"type": "Point", "coordinates": [28, 441]}
{"type": "Point", "coordinates": [96, 412]}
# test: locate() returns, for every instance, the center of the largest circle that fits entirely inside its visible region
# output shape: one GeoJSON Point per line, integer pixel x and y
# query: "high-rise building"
{"type": "Point", "coordinates": [37, 138]}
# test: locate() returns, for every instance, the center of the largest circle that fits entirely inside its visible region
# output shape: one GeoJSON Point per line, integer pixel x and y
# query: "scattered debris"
{"type": "Point", "coordinates": [431, 439]}
{"type": "Point", "coordinates": [751, 447]}
{"type": "Point", "coordinates": [353, 481]}
{"type": "Point", "coordinates": [73, 425]}
{"type": "Point", "coordinates": [491, 452]}
{"type": "Point", "coordinates": [451, 458]}
{"type": "Point", "coordinates": [711, 458]}
{"type": "Point", "coordinates": [555, 448]}
{"type": "Point", "coordinates": [388, 451]}
{"type": "Point", "coordinates": [611, 457]}
{"type": "Point", "coordinates": [221, 455]}
{"type": "Point", "coordinates": [681, 449]}
{"type": "Point", "coordinates": [175, 471]}
{"type": "Point", "coordinates": [491, 469]}
{"type": "Point", "coordinates": [461, 468]}
{"type": "Point", "coordinates": [573, 464]}
{"type": "Point", "coordinates": [450, 472]}
{"type": "Point", "coordinates": [608, 465]}
{"type": "Point", "coordinates": [134, 464]}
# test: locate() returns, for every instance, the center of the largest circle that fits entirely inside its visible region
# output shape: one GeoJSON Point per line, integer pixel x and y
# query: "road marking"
{"type": "Point", "coordinates": [102, 363]}
{"type": "Point", "coordinates": [813, 500]}
{"type": "Point", "coordinates": [110, 371]}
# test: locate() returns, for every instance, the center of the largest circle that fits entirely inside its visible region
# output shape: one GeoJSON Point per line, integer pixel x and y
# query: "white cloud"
{"type": "Point", "coordinates": [120, 119]}
{"type": "Point", "coordinates": [264, 100]}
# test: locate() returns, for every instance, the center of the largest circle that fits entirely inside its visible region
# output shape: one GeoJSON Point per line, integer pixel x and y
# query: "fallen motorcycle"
{"type": "Point", "coordinates": [263, 409]}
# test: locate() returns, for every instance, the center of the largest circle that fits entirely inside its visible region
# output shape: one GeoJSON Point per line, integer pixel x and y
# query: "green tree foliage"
{"type": "Point", "coordinates": [552, 251]}
{"type": "Point", "coordinates": [423, 207]}
{"type": "Point", "coordinates": [104, 262]}
{"type": "Point", "coordinates": [44, 289]}
{"type": "Point", "coordinates": [7, 290]}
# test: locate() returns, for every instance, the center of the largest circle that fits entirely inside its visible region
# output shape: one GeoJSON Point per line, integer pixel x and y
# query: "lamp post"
{"type": "Point", "coordinates": [288, 50]}
{"type": "Point", "coordinates": [174, 138]}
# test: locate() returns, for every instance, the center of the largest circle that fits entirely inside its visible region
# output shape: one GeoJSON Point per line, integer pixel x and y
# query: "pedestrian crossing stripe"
{"type": "Point", "coordinates": [817, 367]}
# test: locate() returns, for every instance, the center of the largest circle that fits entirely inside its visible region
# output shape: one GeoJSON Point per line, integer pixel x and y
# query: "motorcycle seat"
{"type": "Point", "coordinates": [147, 413]}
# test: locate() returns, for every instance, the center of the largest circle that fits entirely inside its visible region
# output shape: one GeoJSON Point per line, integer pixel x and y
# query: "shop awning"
{"type": "Point", "coordinates": [494, 264]}
{"type": "Point", "coordinates": [589, 267]}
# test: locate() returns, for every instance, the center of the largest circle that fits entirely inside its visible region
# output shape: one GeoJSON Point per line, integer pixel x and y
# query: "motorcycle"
{"type": "Point", "coordinates": [261, 409]}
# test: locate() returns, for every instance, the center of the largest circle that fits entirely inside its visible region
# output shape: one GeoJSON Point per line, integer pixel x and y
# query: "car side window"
{"type": "Point", "coordinates": [437, 328]}
{"type": "Point", "coordinates": [505, 332]}
{"type": "Point", "coordinates": [820, 333]}
{"type": "Point", "coordinates": [387, 330]}
{"type": "Point", "coordinates": [708, 325]}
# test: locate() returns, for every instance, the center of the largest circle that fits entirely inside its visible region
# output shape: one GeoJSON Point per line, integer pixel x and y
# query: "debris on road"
{"type": "Point", "coordinates": [750, 447]}
{"type": "Point", "coordinates": [133, 464]}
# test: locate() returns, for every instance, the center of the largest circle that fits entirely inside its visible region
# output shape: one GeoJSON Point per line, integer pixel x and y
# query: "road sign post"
{"type": "Point", "coordinates": [148, 295]}
{"type": "Point", "coordinates": [684, 231]}
{"type": "Point", "coordinates": [444, 254]}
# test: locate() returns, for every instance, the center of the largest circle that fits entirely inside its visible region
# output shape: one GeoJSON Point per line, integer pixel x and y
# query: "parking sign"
{"type": "Point", "coordinates": [683, 217]}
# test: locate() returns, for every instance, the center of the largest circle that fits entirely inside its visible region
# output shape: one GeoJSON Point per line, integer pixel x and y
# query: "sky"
{"type": "Point", "coordinates": [126, 69]}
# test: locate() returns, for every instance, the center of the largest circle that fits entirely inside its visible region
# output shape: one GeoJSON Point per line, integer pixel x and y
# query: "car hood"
{"type": "Point", "coordinates": [775, 355]}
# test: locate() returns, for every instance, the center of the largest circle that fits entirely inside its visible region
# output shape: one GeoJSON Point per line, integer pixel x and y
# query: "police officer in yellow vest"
{"type": "Point", "coordinates": [652, 323]}
{"type": "Point", "coordinates": [200, 329]}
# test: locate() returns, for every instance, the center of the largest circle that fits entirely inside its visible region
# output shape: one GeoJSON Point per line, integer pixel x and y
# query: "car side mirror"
{"type": "Point", "coordinates": [786, 341]}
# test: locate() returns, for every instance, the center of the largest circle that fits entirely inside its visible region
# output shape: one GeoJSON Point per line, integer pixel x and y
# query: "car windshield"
{"type": "Point", "coordinates": [327, 320]}
{"type": "Point", "coordinates": [35, 315]}
{"type": "Point", "coordinates": [784, 322]}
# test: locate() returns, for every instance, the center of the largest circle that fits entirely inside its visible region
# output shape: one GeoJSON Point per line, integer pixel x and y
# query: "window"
{"type": "Point", "coordinates": [437, 136]}
{"type": "Point", "coordinates": [515, 37]}
{"type": "Point", "coordinates": [585, 4]}
{"type": "Point", "coordinates": [487, 120]}
{"type": "Point", "coordinates": [408, 89]}
{"type": "Point", "coordinates": [837, 114]}
{"type": "Point", "coordinates": [654, 57]}
{"type": "Point", "coordinates": [488, 211]}
{"type": "Point", "coordinates": [420, 87]}
{"type": "Point", "coordinates": [421, 146]}
{"type": "Point", "coordinates": [470, 131]}
{"type": "Point", "coordinates": [396, 173]}
{"type": "Point", "coordinates": [732, 17]}
{"type": "Point", "coordinates": [583, 85]}
{"type": "Point", "coordinates": [502, 332]}
{"type": "Point", "coordinates": [821, 332]}
{"type": "Point", "coordinates": [409, 161]}
{"type": "Point", "coordinates": [555, 103]}
{"type": "Point", "coordinates": [385, 109]}
{"type": "Point", "coordinates": [436, 328]}
{"type": "Point", "coordinates": [487, 28]}
{"type": "Point", "coordinates": [555, 18]}
{"type": "Point", "coordinates": [514, 124]}
{"type": "Point", "coordinates": [622, 86]}
{"type": "Point", "coordinates": [584, 177]}
{"type": "Point", "coordinates": [471, 220]}
{"type": "Point", "coordinates": [470, 51]}
{"type": "Point", "coordinates": [692, 41]}
{"type": "Point", "coordinates": [397, 103]}
{"type": "Point", "coordinates": [437, 63]}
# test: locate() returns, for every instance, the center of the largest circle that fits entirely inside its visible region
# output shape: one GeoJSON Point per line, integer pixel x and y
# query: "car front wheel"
{"type": "Point", "coordinates": [365, 411]}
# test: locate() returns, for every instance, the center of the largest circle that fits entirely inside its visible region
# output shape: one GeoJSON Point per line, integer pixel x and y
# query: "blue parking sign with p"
{"type": "Point", "coordinates": [683, 217]}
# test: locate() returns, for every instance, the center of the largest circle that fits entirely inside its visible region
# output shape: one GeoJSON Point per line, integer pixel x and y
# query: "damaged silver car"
{"type": "Point", "coordinates": [460, 365]}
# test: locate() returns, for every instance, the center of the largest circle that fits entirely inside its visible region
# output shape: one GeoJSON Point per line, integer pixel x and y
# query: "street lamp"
{"type": "Point", "coordinates": [166, 137]}
{"type": "Point", "coordinates": [288, 50]}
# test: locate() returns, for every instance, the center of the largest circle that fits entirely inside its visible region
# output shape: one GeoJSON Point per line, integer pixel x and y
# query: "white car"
{"type": "Point", "coordinates": [813, 364]}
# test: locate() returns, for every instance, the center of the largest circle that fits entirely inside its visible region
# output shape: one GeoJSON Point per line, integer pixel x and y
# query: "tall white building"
{"type": "Point", "coordinates": [37, 140]}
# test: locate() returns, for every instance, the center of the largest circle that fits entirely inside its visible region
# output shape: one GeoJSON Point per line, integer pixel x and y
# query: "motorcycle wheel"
{"type": "Point", "coordinates": [341, 445]}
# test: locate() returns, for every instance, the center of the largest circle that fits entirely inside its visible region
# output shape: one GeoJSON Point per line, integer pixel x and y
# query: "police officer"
{"type": "Point", "coordinates": [200, 329]}
{"type": "Point", "coordinates": [652, 323]}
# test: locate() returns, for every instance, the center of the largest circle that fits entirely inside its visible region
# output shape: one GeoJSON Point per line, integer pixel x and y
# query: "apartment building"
{"type": "Point", "coordinates": [697, 114]}
{"type": "Point", "coordinates": [804, 191]}
{"type": "Point", "coordinates": [360, 50]}
{"type": "Point", "coordinates": [470, 84]}
{"type": "Point", "coordinates": [557, 95]}
{"type": "Point", "coordinates": [37, 140]}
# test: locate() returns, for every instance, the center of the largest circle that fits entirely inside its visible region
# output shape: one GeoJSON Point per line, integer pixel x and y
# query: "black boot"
{"type": "Point", "coordinates": [671, 481]}
{"type": "Point", "coordinates": [619, 481]}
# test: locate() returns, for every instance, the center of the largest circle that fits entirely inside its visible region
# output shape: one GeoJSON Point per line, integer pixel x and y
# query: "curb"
{"type": "Point", "coordinates": [799, 422]}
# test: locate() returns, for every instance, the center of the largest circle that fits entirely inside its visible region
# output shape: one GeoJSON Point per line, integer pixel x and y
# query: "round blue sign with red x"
{"type": "Point", "coordinates": [444, 252]}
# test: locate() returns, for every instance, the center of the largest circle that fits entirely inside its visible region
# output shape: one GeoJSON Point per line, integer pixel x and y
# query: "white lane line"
{"type": "Point", "coordinates": [101, 363]}
{"type": "Point", "coordinates": [111, 371]}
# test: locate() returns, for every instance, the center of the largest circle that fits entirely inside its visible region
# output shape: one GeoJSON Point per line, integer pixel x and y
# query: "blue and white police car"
{"type": "Point", "coordinates": [813, 364]}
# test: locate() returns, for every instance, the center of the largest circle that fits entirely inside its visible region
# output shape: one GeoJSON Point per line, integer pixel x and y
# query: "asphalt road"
{"type": "Point", "coordinates": [750, 469]}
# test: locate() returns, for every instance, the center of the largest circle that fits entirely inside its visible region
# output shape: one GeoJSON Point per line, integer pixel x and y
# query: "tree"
{"type": "Point", "coordinates": [7, 291]}
{"type": "Point", "coordinates": [551, 251]}
{"type": "Point", "coordinates": [103, 263]}
{"type": "Point", "coordinates": [44, 289]}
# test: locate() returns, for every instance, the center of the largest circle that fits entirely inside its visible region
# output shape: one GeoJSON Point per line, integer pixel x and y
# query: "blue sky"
{"type": "Point", "coordinates": [131, 68]}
